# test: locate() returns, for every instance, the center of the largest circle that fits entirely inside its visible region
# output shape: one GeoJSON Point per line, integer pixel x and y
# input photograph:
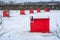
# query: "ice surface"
{"type": "Point", "coordinates": [17, 26]}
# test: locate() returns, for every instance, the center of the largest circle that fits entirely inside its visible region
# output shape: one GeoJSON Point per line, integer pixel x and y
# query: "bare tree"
{"type": "Point", "coordinates": [2, 2]}
{"type": "Point", "coordinates": [12, 2]}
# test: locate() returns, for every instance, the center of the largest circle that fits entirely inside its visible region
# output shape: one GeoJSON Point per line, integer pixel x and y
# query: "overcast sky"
{"type": "Point", "coordinates": [21, 1]}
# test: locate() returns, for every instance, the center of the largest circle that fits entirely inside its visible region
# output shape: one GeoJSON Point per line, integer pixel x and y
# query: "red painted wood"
{"type": "Point", "coordinates": [38, 10]}
{"type": "Point", "coordinates": [31, 11]}
{"type": "Point", "coordinates": [5, 13]}
{"type": "Point", "coordinates": [39, 25]}
{"type": "Point", "coordinates": [46, 10]}
{"type": "Point", "coordinates": [22, 12]}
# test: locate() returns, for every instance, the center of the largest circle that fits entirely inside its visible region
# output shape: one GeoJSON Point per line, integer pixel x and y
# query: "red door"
{"type": "Point", "coordinates": [40, 25]}
{"type": "Point", "coordinates": [5, 13]}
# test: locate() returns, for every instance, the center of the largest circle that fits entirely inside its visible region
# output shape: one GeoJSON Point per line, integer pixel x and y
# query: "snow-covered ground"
{"type": "Point", "coordinates": [17, 26]}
